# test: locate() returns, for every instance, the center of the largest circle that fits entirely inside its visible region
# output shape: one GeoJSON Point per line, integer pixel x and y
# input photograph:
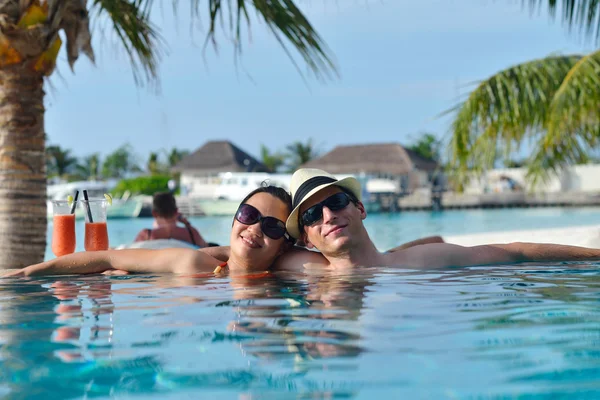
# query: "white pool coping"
{"type": "Point", "coordinates": [586, 236]}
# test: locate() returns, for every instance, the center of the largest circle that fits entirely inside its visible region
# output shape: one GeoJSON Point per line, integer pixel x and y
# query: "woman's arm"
{"type": "Point", "coordinates": [176, 260]}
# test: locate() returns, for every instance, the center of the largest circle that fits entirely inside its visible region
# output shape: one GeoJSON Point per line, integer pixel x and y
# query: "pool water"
{"type": "Point", "coordinates": [386, 230]}
{"type": "Point", "coordinates": [529, 330]}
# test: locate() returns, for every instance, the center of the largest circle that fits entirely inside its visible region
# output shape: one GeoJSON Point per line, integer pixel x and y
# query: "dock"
{"type": "Point", "coordinates": [452, 201]}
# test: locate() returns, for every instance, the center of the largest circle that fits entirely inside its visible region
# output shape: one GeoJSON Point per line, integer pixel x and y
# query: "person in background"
{"type": "Point", "coordinates": [166, 218]}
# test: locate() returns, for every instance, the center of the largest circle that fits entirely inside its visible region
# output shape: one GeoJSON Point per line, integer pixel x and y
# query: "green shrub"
{"type": "Point", "coordinates": [146, 185]}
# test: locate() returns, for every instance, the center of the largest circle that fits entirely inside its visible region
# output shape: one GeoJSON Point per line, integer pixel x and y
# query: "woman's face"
{"type": "Point", "coordinates": [248, 243]}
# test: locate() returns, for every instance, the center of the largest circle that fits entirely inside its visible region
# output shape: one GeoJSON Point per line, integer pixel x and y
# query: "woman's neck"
{"type": "Point", "coordinates": [239, 266]}
{"type": "Point", "coordinates": [160, 222]}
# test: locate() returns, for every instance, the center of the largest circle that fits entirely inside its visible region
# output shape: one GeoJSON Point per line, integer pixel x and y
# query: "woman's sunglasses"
{"type": "Point", "coordinates": [336, 202]}
{"type": "Point", "coordinates": [271, 226]}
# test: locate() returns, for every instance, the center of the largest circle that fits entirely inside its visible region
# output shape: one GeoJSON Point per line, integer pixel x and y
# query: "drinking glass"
{"type": "Point", "coordinates": [63, 228]}
{"type": "Point", "coordinates": [96, 232]}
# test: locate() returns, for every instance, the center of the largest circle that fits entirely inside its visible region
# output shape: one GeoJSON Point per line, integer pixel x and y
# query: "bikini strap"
{"type": "Point", "coordinates": [220, 267]}
{"type": "Point", "coordinates": [189, 229]}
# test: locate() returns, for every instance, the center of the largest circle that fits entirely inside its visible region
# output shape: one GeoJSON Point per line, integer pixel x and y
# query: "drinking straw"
{"type": "Point", "coordinates": [74, 202]}
{"type": "Point", "coordinates": [87, 206]}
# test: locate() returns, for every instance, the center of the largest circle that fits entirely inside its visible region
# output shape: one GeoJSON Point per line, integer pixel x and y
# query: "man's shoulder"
{"type": "Point", "coordinates": [418, 256]}
{"type": "Point", "coordinates": [299, 258]}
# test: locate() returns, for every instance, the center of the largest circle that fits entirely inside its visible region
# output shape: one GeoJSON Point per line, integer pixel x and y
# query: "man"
{"type": "Point", "coordinates": [328, 215]}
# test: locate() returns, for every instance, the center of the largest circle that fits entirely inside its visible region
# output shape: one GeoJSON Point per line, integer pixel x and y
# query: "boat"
{"type": "Point", "coordinates": [234, 187]}
{"type": "Point", "coordinates": [124, 207]}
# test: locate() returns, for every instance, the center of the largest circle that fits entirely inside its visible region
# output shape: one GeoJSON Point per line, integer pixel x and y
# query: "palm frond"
{"type": "Point", "coordinates": [283, 18]}
{"type": "Point", "coordinates": [503, 110]}
{"type": "Point", "coordinates": [581, 15]}
{"type": "Point", "coordinates": [140, 38]}
{"type": "Point", "coordinates": [575, 105]}
{"type": "Point", "coordinates": [573, 126]}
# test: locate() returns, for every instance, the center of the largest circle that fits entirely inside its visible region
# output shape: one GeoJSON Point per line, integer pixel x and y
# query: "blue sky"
{"type": "Point", "coordinates": [401, 63]}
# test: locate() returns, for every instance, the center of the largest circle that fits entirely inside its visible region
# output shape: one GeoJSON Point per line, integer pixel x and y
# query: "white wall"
{"type": "Point", "coordinates": [579, 178]}
{"type": "Point", "coordinates": [198, 185]}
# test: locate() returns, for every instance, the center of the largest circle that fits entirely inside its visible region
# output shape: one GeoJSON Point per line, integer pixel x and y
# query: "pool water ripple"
{"type": "Point", "coordinates": [529, 330]}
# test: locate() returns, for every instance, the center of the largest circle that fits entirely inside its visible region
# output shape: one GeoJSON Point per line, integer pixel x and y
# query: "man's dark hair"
{"type": "Point", "coordinates": [164, 204]}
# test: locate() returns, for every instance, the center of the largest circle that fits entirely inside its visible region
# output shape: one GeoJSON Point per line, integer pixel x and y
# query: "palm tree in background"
{"type": "Point", "coordinates": [175, 155]}
{"type": "Point", "coordinates": [273, 161]}
{"type": "Point", "coordinates": [299, 153]}
{"type": "Point", "coordinates": [552, 103]}
{"type": "Point", "coordinates": [29, 46]}
{"type": "Point", "coordinates": [427, 146]}
{"type": "Point", "coordinates": [89, 167]}
{"type": "Point", "coordinates": [153, 165]}
{"type": "Point", "coordinates": [59, 161]}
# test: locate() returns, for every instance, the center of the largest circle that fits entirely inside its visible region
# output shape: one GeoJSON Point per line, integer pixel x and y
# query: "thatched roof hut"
{"type": "Point", "coordinates": [219, 156]}
{"type": "Point", "coordinates": [381, 158]}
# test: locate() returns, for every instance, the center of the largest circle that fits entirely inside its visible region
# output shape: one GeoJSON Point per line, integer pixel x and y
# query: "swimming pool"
{"type": "Point", "coordinates": [388, 230]}
{"type": "Point", "coordinates": [497, 332]}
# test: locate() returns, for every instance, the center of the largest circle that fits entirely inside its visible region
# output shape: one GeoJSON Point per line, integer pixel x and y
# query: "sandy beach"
{"type": "Point", "coordinates": [586, 236]}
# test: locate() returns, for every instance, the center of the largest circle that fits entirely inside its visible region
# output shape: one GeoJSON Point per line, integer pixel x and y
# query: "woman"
{"type": "Point", "coordinates": [258, 236]}
{"type": "Point", "coordinates": [166, 216]}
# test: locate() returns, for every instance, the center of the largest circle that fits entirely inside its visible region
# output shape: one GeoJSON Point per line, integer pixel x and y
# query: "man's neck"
{"type": "Point", "coordinates": [361, 254]}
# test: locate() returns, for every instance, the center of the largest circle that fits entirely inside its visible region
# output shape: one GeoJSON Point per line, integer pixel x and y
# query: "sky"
{"type": "Point", "coordinates": [401, 63]}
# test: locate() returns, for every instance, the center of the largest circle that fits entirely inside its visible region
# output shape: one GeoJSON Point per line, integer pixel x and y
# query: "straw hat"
{"type": "Point", "coordinates": [308, 181]}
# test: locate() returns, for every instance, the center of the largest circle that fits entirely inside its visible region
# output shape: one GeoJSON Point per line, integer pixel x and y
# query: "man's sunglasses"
{"type": "Point", "coordinates": [336, 202]}
{"type": "Point", "coordinates": [271, 226]}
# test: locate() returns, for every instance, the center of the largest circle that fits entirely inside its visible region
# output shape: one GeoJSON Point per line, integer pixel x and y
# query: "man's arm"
{"type": "Point", "coordinates": [418, 242]}
{"type": "Point", "coordinates": [297, 258]}
{"type": "Point", "coordinates": [175, 260]}
{"type": "Point", "coordinates": [450, 255]}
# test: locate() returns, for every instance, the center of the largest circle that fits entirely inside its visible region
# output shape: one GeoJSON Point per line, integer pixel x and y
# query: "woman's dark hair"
{"type": "Point", "coordinates": [164, 204]}
{"type": "Point", "coordinates": [274, 191]}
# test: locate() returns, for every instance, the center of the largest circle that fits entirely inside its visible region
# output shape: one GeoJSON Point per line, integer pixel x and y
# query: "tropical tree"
{"type": "Point", "coordinates": [89, 167]}
{"type": "Point", "coordinates": [153, 165]}
{"type": "Point", "coordinates": [299, 153]}
{"type": "Point", "coordinates": [120, 163]}
{"type": "Point", "coordinates": [29, 46]}
{"type": "Point", "coordinates": [175, 155]}
{"type": "Point", "coordinates": [427, 146]}
{"type": "Point", "coordinates": [59, 161]}
{"type": "Point", "coordinates": [273, 161]}
{"type": "Point", "coordinates": [551, 103]}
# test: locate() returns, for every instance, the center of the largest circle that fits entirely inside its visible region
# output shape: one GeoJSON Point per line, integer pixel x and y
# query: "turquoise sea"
{"type": "Point", "coordinates": [514, 331]}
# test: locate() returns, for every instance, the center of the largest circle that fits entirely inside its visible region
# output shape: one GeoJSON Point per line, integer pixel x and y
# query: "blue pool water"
{"type": "Point", "coordinates": [528, 331]}
{"type": "Point", "coordinates": [388, 230]}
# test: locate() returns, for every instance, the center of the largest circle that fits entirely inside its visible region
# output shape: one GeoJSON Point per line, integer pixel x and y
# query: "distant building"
{"type": "Point", "coordinates": [200, 170]}
{"type": "Point", "coordinates": [383, 167]}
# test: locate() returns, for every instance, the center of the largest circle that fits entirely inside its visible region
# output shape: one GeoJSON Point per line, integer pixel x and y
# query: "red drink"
{"type": "Point", "coordinates": [63, 234]}
{"type": "Point", "coordinates": [96, 236]}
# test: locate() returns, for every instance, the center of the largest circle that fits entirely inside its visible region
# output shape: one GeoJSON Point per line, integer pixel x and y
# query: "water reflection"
{"type": "Point", "coordinates": [473, 332]}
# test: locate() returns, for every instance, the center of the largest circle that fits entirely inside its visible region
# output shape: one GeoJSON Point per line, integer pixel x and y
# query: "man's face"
{"type": "Point", "coordinates": [334, 232]}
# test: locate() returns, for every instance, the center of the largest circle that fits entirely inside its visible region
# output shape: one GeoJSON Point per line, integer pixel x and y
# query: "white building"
{"type": "Point", "coordinates": [202, 171]}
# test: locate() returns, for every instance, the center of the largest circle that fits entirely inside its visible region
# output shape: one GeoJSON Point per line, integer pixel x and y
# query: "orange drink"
{"type": "Point", "coordinates": [96, 236]}
{"type": "Point", "coordinates": [96, 231]}
{"type": "Point", "coordinates": [63, 228]}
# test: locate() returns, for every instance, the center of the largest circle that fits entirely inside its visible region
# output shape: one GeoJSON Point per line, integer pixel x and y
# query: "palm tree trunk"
{"type": "Point", "coordinates": [22, 167]}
